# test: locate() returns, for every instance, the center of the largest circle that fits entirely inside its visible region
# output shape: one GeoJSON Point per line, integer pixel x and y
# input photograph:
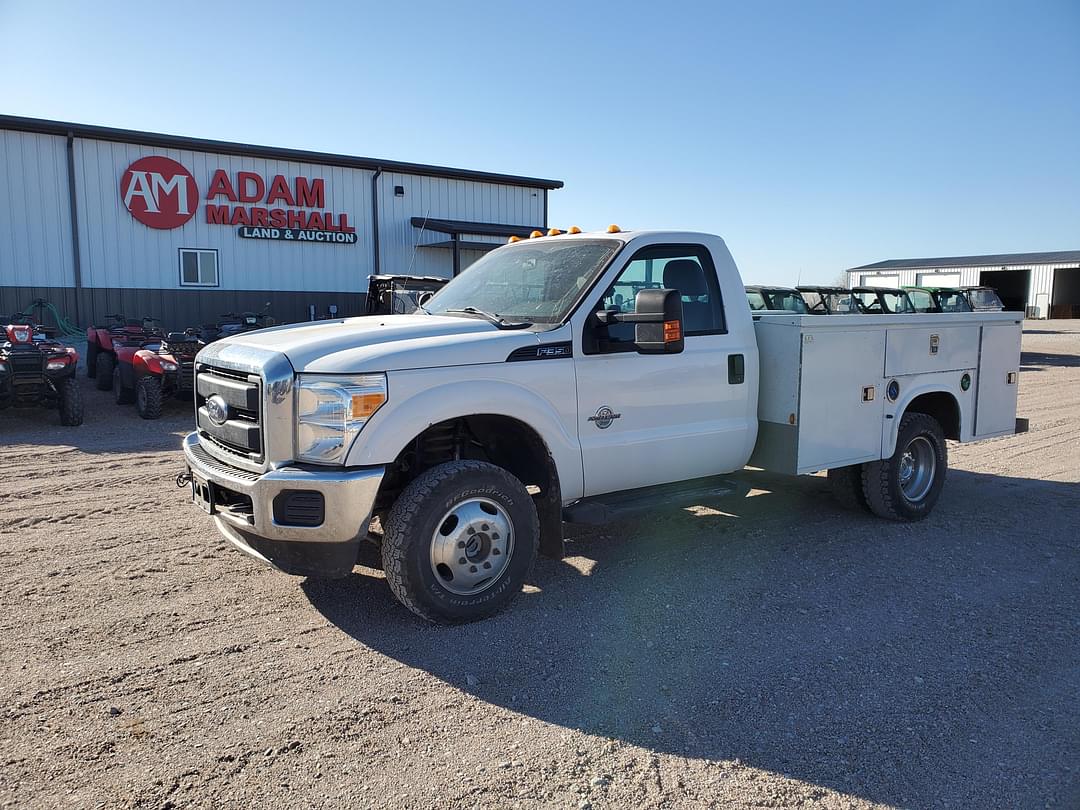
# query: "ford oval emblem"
{"type": "Point", "coordinates": [217, 409]}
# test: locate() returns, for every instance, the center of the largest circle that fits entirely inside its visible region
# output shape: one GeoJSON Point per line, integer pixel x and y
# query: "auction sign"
{"type": "Point", "coordinates": [161, 193]}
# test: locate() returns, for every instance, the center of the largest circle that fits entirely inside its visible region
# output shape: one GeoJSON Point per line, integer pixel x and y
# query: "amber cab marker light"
{"type": "Point", "coordinates": [513, 239]}
{"type": "Point", "coordinates": [574, 229]}
{"type": "Point", "coordinates": [614, 229]}
{"type": "Point", "coordinates": [535, 234]}
{"type": "Point", "coordinates": [554, 232]}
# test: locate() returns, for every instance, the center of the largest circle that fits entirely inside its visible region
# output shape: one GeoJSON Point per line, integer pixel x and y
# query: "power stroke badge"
{"type": "Point", "coordinates": [604, 416]}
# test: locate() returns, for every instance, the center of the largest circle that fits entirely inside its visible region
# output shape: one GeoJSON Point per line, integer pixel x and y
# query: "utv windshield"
{"type": "Point", "coordinates": [952, 301]}
{"type": "Point", "coordinates": [787, 301]}
{"type": "Point", "coordinates": [984, 298]}
{"type": "Point", "coordinates": [535, 282]}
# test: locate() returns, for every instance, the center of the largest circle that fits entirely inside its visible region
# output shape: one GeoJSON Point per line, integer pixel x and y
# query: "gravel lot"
{"type": "Point", "coordinates": [783, 653]}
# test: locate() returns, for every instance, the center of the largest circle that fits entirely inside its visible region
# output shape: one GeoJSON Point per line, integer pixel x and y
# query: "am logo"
{"type": "Point", "coordinates": [159, 192]}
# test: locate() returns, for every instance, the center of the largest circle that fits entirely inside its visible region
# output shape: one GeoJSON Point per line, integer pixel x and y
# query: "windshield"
{"type": "Point", "coordinates": [983, 298]}
{"type": "Point", "coordinates": [952, 302]}
{"type": "Point", "coordinates": [787, 301]}
{"type": "Point", "coordinates": [841, 304]}
{"type": "Point", "coordinates": [896, 302]}
{"type": "Point", "coordinates": [537, 282]}
{"type": "Point", "coordinates": [756, 300]}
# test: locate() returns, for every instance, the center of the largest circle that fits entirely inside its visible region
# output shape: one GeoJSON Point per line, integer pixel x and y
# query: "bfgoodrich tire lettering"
{"type": "Point", "coordinates": [412, 522]}
{"type": "Point", "coordinates": [892, 487]}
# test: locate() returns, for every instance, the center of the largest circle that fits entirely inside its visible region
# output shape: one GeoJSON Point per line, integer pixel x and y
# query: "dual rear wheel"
{"type": "Point", "coordinates": [905, 486]}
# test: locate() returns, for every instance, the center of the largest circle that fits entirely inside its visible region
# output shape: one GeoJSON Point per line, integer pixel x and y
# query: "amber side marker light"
{"type": "Point", "coordinates": [574, 229]}
{"type": "Point", "coordinates": [554, 232]}
{"type": "Point", "coordinates": [672, 331]}
{"type": "Point", "coordinates": [513, 239]}
{"type": "Point", "coordinates": [614, 229]}
{"type": "Point", "coordinates": [535, 234]}
{"type": "Point", "coordinates": [364, 405]}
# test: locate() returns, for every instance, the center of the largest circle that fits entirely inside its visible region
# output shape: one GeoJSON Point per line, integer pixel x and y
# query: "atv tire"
{"type": "Point", "coordinates": [71, 404]}
{"type": "Point", "coordinates": [460, 541]}
{"type": "Point", "coordinates": [91, 360]}
{"type": "Point", "coordinates": [104, 365]}
{"type": "Point", "coordinates": [122, 396]}
{"type": "Point", "coordinates": [148, 397]}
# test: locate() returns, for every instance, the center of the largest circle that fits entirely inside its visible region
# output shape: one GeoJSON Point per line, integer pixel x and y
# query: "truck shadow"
{"type": "Point", "coordinates": [913, 664]}
{"type": "Point", "coordinates": [1037, 361]}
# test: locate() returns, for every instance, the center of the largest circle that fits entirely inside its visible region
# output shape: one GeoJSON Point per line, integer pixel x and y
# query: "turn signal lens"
{"type": "Point", "coordinates": [535, 234]}
{"type": "Point", "coordinates": [574, 229]}
{"type": "Point", "coordinates": [672, 331]}
{"type": "Point", "coordinates": [614, 229]}
{"type": "Point", "coordinates": [513, 239]}
{"type": "Point", "coordinates": [364, 405]}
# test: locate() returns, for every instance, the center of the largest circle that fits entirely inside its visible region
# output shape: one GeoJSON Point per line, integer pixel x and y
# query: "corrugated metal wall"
{"type": "Point", "coordinates": [35, 211]}
{"type": "Point", "coordinates": [119, 251]}
{"type": "Point", "coordinates": [441, 198]}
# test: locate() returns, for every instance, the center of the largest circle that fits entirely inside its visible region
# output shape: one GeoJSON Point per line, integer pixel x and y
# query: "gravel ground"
{"type": "Point", "coordinates": [783, 653]}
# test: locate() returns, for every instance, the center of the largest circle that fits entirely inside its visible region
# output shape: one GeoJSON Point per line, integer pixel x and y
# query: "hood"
{"type": "Point", "coordinates": [386, 343]}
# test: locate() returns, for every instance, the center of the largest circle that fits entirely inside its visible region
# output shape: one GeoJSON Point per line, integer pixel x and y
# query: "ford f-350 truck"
{"type": "Point", "coordinates": [571, 377]}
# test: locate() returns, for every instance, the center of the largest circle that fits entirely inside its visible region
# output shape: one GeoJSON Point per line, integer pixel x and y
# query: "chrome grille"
{"type": "Point", "coordinates": [241, 433]}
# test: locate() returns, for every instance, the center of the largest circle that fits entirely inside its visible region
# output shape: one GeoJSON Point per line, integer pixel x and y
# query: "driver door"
{"type": "Point", "coordinates": [646, 419]}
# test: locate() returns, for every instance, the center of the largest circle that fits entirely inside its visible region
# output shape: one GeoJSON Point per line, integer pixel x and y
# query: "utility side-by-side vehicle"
{"type": "Point", "coordinates": [574, 377]}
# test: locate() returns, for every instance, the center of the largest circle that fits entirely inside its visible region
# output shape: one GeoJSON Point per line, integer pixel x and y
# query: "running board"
{"type": "Point", "coordinates": [615, 506]}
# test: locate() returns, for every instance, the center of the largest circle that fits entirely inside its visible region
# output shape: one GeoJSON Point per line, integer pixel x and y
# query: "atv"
{"type": "Point", "coordinates": [37, 370]}
{"type": "Point", "coordinates": [233, 323]}
{"type": "Point", "coordinates": [156, 369]}
{"type": "Point", "coordinates": [102, 344]}
{"type": "Point", "coordinates": [398, 295]}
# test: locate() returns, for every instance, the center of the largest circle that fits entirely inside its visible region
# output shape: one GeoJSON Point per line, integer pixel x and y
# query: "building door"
{"type": "Point", "coordinates": [939, 280]}
{"type": "Point", "coordinates": [881, 281]}
{"type": "Point", "coordinates": [1066, 300]}
{"type": "Point", "coordinates": [1012, 286]}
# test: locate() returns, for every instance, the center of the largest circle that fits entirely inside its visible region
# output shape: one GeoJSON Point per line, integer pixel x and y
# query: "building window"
{"type": "Point", "coordinates": [198, 268]}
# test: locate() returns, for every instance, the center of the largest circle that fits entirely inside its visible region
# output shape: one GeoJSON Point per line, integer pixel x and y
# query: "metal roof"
{"type": "Point", "coordinates": [991, 260]}
{"type": "Point", "coordinates": [47, 127]}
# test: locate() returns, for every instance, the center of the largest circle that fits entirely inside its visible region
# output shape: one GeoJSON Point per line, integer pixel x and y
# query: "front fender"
{"type": "Point", "coordinates": [398, 422]}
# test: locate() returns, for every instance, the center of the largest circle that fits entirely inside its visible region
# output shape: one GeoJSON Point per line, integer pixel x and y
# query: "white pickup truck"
{"type": "Point", "coordinates": [571, 377]}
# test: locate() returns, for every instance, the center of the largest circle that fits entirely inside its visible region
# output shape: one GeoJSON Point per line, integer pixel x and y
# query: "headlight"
{"type": "Point", "coordinates": [168, 365]}
{"type": "Point", "coordinates": [56, 365]}
{"type": "Point", "coordinates": [330, 410]}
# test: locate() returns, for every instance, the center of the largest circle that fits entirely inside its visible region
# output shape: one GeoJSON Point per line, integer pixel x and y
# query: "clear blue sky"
{"type": "Point", "coordinates": [812, 136]}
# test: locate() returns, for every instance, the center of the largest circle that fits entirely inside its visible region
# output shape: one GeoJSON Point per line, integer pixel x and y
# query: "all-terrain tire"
{"type": "Point", "coordinates": [883, 481]}
{"type": "Point", "coordinates": [846, 486]}
{"type": "Point", "coordinates": [91, 360]}
{"type": "Point", "coordinates": [148, 397]}
{"type": "Point", "coordinates": [71, 404]}
{"type": "Point", "coordinates": [409, 537]}
{"type": "Point", "coordinates": [121, 395]}
{"type": "Point", "coordinates": [104, 365]}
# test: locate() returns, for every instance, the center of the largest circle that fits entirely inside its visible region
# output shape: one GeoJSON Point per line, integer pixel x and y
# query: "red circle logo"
{"type": "Point", "coordinates": [159, 192]}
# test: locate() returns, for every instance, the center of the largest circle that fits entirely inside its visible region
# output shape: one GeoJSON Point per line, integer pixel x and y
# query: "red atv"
{"type": "Point", "coordinates": [102, 344]}
{"type": "Point", "coordinates": [156, 369]}
{"type": "Point", "coordinates": [37, 370]}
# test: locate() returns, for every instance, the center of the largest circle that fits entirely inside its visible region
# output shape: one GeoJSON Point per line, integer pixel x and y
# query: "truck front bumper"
{"type": "Point", "coordinates": [243, 507]}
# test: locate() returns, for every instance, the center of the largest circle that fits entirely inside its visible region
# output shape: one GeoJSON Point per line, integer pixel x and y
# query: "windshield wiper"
{"type": "Point", "coordinates": [495, 318]}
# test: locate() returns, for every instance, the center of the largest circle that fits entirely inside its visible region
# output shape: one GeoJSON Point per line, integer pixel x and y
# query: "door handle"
{"type": "Point", "coordinates": [736, 369]}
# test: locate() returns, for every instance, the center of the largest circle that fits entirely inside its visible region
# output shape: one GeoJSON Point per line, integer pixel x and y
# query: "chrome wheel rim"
{"type": "Point", "coordinates": [471, 546]}
{"type": "Point", "coordinates": [918, 463]}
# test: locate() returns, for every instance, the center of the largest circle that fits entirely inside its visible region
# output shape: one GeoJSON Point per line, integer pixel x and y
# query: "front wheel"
{"type": "Point", "coordinates": [148, 397]}
{"type": "Point", "coordinates": [71, 405]}
{"type": "Point", "coordinates": [906, 485]}
{"type": "Point", "coordinates": [460, 541]}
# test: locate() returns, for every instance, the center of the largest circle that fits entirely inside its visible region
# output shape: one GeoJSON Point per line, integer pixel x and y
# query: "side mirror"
{"type": "Point", "coordinates": [658, 317]}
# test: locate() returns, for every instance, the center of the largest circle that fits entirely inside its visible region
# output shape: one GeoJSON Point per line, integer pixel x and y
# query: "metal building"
{"type": "Point", "coordinates": [1042, 285]}
{"type": "Point", "coordinates": [100, 220]}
